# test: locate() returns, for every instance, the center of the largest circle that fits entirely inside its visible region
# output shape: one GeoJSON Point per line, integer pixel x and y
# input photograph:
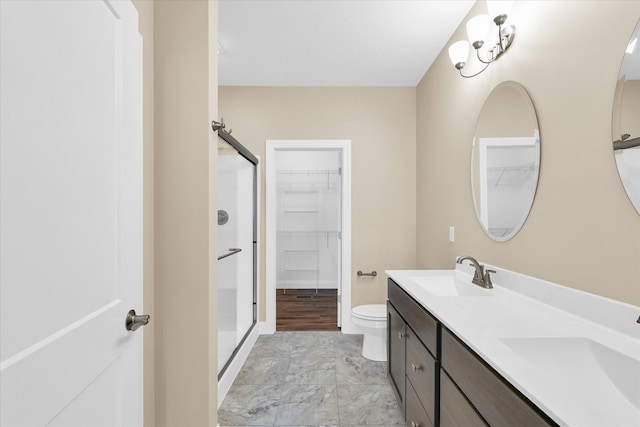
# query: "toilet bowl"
{"type": "Point", "coordinates": [371, 319]}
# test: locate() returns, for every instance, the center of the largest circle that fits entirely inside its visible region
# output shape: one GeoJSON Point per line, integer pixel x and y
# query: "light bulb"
{"type": "Point", "coordinates": [459, 52]}
{"type": "Point", "coordinates": [478, 27]}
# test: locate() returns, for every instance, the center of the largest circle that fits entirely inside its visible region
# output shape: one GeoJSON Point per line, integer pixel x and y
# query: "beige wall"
{"type": "Point", "coordinates": [582, 231]}
{"type": "Point", "coordinates": [212, 261]}
{"type": "Point", "coordinates": [380, 122]}
{"type": "Point", "coordinates": [185, 73]}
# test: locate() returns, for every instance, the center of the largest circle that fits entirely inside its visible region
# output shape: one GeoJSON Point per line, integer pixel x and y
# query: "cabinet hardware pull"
{"type": "Point", "coordinates": [400, 335]}
{"type": "Point", "coordinates": [415, 424]}
{"type": "Point", "coordinates": [416, 367]}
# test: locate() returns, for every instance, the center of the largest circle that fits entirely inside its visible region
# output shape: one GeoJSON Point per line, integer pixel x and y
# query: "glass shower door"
{"type": "Point", "coordinates": [236, 248]}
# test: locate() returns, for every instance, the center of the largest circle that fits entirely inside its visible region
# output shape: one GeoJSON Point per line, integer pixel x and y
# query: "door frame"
{"type": "Point", "coordinates": [272, 146]}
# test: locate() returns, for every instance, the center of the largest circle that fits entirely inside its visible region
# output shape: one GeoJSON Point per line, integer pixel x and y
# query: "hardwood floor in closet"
{"type": "Point", "coordinates": [306, 310]}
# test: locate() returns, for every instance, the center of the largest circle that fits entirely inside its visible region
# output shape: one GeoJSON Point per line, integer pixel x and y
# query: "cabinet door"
{"type": "Point", "coordinates": [416, 414]}
{"type": "Point", "coordinates": [455, 410]}
{"type": "Point", "coordinates": [396, 330]}
{"type": "Point", "coordinates": [421, 373]}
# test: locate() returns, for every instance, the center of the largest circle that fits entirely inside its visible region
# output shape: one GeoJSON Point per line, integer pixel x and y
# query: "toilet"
{"type": "Point", "coordinates": [371, 319]}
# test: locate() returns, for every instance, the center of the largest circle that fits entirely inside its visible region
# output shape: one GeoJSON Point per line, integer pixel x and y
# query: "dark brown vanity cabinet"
{"type": "Point", "coordinates": [440, 382]}
{"type": "Point", "coordinates": [496, 401]}
{"type": "Point", "coordinates": [412, 367]}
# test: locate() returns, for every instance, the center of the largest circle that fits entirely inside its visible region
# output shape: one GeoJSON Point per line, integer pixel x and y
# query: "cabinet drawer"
{"type": "Point", "coordinates": [455, 411]}
{"type": "Point", "coordinates": [421, 372]}
{"type": "Point", "coordinates": [424, 325]}
{"type": "Point", "coordinates": [416, 415]}
{"type": "Point", "coordinates": [496, 400]}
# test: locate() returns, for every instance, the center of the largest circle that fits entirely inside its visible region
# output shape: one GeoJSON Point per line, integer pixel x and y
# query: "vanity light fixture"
{"type": "Point", "coordinates": [477, 29]}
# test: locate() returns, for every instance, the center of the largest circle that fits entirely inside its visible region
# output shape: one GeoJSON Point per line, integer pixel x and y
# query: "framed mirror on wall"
{"type": "Point", "coordinates": [626, 120]}
{"type": "Point", "coordinates": [505, 161]}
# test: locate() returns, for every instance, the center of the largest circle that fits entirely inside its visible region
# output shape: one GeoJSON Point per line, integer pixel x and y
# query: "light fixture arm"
{"type": "Point", "coordinates": [473, 75]}
{"type": "Point", "coordinates": [502, 46]}
{"type": "Point", "coordinates": [482, 60]}
{"type": "Point", "coordinates": [505, 38]}
{"type": "Point", "coordinates": [505, 35]}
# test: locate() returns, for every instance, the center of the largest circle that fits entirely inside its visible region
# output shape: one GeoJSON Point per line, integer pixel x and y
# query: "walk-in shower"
{"type": "Point", "coordinates": [237, 256]}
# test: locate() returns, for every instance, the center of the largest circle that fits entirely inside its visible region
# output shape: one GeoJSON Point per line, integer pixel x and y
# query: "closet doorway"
{"type": "Point", "coordinates": [308, 235]}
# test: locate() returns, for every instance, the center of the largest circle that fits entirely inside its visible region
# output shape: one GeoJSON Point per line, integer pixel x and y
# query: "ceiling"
{"type": "Point", "coordinates": [333, 42]}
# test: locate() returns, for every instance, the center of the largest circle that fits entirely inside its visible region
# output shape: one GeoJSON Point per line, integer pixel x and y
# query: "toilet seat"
{"type": "Point", "coordinates": [375, 312]}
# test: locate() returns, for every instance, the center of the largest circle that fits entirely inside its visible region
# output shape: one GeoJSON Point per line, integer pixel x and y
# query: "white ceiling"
{"type": "Point", "coordinates": [333, 42]}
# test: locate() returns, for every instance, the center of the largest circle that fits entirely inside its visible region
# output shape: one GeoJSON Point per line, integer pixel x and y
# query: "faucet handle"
{"type": "Point", "coordinates": [487, 278]}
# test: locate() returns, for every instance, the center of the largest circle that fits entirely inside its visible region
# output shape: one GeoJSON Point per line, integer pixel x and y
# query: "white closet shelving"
{"type": "Point", "coordinates": [511, 176]}
{"type": "Point", "coordinates": [308, 227]}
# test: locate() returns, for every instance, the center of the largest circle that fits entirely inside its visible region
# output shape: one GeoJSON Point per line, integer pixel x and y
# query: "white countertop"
{"type": "Point", "coordinates": [566, 330]}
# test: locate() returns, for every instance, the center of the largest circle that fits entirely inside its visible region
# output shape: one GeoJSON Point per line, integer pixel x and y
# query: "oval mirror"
{"type": "Point", "coordinates": [626, 120]}
{"type": "Point", "coordinates": [505, 161]}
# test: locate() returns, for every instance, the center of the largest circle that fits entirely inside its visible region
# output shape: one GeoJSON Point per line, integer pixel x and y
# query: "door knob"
{"type": "Point", "coordinates": [133, 321]}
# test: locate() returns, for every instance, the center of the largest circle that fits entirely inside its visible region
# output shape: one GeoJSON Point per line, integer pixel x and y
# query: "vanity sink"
{"type": "Point", "coordinates": [573, 355]}
{"type": "Point", "coordinates": [583, 368]}
{"type": "Point", "coordinates": [449, 286]}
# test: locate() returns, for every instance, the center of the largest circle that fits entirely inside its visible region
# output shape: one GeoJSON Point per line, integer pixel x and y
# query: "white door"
{"type": "Point", "coordinates": [70, 213]}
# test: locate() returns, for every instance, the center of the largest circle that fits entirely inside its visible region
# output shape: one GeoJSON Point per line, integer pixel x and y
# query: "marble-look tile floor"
{"type": "Point", "coordinates": [310, 379]}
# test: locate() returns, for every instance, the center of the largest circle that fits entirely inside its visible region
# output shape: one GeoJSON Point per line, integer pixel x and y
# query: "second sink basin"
{"type": "Point", "coordinates": [449, 286]}
{"type": "Point", "coordinates": [588, 371]}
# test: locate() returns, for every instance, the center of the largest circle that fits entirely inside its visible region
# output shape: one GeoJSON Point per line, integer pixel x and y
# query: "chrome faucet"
{"type": "Point", "coordinates": [481, 277]}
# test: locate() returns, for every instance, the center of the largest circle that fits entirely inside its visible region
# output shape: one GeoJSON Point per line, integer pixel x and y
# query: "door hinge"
{"type": "Point", "coordinates": [340, 171]}
{"type": "Point", "coordinates": [339, 235]}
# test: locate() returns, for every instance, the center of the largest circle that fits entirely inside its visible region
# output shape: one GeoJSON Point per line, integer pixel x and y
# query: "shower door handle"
{"type": "Point", "coordinates": [231, 252]}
